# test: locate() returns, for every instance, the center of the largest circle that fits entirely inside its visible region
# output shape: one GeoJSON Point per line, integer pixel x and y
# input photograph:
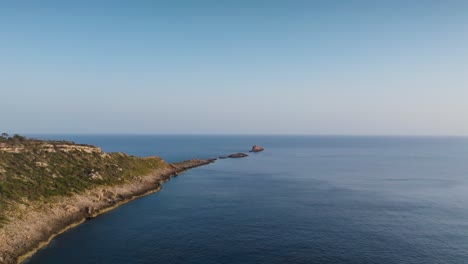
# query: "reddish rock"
{"type": "Point", "coordinates": [257, 148]}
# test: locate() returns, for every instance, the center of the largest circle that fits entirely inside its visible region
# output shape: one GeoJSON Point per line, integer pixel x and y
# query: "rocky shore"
{"type": "Point", "coordinates": [50, 186]}
{"type": "Point", "coordinates": [35, 224]}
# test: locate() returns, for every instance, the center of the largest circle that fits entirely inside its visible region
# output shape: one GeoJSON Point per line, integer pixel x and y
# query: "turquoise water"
{"type": "Point", "coordinates": [303, 200]}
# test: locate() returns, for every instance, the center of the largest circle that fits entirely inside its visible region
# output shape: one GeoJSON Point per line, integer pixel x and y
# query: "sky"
{"type": "Point", "coordinates": [234, 67]}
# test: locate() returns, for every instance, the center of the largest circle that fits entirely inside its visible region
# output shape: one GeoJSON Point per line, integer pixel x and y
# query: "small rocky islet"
{"type": "Point", "coordinates": [255, 148]}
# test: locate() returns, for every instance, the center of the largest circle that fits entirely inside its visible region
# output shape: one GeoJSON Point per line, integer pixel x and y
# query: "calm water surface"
{"type": "Point", "coordinates": [304, 200]}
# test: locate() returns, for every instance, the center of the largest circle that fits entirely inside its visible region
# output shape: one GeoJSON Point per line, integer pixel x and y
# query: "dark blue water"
{"type": "Point", "coordinates": [304, 200]}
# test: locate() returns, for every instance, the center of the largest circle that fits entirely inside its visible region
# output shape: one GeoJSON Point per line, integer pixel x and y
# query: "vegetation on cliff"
{"type": "Point", "coordinates": [37, 170]}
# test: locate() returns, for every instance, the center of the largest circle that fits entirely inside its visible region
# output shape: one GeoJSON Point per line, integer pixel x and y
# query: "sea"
{"type": "Point", "coordinates": [305, 199]}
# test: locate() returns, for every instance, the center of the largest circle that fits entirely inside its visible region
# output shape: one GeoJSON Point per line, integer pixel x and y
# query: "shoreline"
{"type": "Point", "coordinates": [42, 244]}
{"type": "Point", "coordinates": [27, 237]}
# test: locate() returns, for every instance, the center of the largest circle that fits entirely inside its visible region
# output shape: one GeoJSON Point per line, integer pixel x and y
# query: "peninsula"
{"type": "Point", "coordinates": [47, 187]}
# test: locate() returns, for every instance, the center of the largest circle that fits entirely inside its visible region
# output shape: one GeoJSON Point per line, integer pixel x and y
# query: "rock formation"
{"type": "Point", "coordinates": [238, 155]}
{"type": "Point", "coordinates": [256, 148]}
{"type": "Point", "coordinates": [55, 185]}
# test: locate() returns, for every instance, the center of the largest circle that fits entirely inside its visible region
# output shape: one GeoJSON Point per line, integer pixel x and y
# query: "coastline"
{"type": "Point", "coordinates": [27, 235]}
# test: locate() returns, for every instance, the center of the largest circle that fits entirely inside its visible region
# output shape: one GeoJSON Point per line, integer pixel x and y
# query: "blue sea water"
{"type": "Point", "coordinates": [305, 199]}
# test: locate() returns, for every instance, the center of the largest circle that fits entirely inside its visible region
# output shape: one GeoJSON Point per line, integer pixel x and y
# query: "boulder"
{"type": "Point", "coordinates": [41, 164]}
{"type": "Point", "coordinates": [257, 148]}
{"type": "Point", "coordinates": [94, 175]}
{"type": "Point", "coordinates": [90, 210]}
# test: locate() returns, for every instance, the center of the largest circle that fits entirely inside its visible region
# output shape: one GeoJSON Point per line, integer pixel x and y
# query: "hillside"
{"type": "Point", "coordinates": [33, 170]}
{"type": "Point", "coordinates": [46, 186]}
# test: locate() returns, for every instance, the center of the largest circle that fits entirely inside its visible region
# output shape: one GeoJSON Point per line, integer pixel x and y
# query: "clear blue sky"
{"type": "Point", "coordinates": [234, 67]}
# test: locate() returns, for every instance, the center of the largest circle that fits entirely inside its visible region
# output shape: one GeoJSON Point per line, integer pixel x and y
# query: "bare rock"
{"type": "Point", "coordinates": [107, 194]}
{"type": "Point", "coordinates": [94, 175]}
{"type": "Point", "coordinates": [238, 155]}
{"type": "Point", "coordinates": [257, 148]}
{"type": "Point", "coordinates": [71, 208]}
{"type": "Point", "coordinates": [41, 164]}
{"type": "Point", "coordinates": [90, 210]}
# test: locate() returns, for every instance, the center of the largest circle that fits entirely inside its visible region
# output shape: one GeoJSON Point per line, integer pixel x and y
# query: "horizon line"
{"type": "Point", "coordinates": [240, 134]}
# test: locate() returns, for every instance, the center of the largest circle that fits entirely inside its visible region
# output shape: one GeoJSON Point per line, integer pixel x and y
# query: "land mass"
{"type": "Point", "coordinates": [47, 187]}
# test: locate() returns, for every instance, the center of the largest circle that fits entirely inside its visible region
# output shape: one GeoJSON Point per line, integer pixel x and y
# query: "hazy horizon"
{"type": "Point", "coordinates": [234, 67]}
{"type": "Point", "coordinates": [32, 135]}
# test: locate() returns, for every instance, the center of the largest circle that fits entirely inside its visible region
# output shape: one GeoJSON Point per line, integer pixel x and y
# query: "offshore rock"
{"type": "Point", "coordinates": [257, 148]}
{"type": "Point", "coordinates": [238, 155]}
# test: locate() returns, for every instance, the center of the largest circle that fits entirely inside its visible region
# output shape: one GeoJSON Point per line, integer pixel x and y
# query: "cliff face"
{"type": "Point", "coordinates": [46, 186]}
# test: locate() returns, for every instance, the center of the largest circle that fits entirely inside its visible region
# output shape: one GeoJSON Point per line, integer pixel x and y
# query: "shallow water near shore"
{"type": "Point", "coordinates": [303, 200]}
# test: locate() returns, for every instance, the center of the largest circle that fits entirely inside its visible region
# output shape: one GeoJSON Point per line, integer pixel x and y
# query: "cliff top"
{"type": "Point", "coordinates": [17, 143]}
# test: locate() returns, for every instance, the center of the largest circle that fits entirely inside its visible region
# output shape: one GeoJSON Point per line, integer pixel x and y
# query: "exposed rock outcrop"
{"type": "Point", "coordinates": [257, 148]}
{"type": "Point", "coordinates": [41, 164]}
{"type": "Point", "coordinates": [11, 149]}
{"type": "Point", "coordinates": [94, 175]}
{"type": "Point", "coordinates": [238, 155]}
{"type": "Point", "coordinates": [36, 145]}
{"type": "Point", "coordinates": [90, 210]}
{"type": "Point", "coordinates": [71, 208]}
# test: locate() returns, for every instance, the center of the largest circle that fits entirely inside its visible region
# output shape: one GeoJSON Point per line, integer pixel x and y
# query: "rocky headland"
{"type": "Point", "coordinates": [47, 187]}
